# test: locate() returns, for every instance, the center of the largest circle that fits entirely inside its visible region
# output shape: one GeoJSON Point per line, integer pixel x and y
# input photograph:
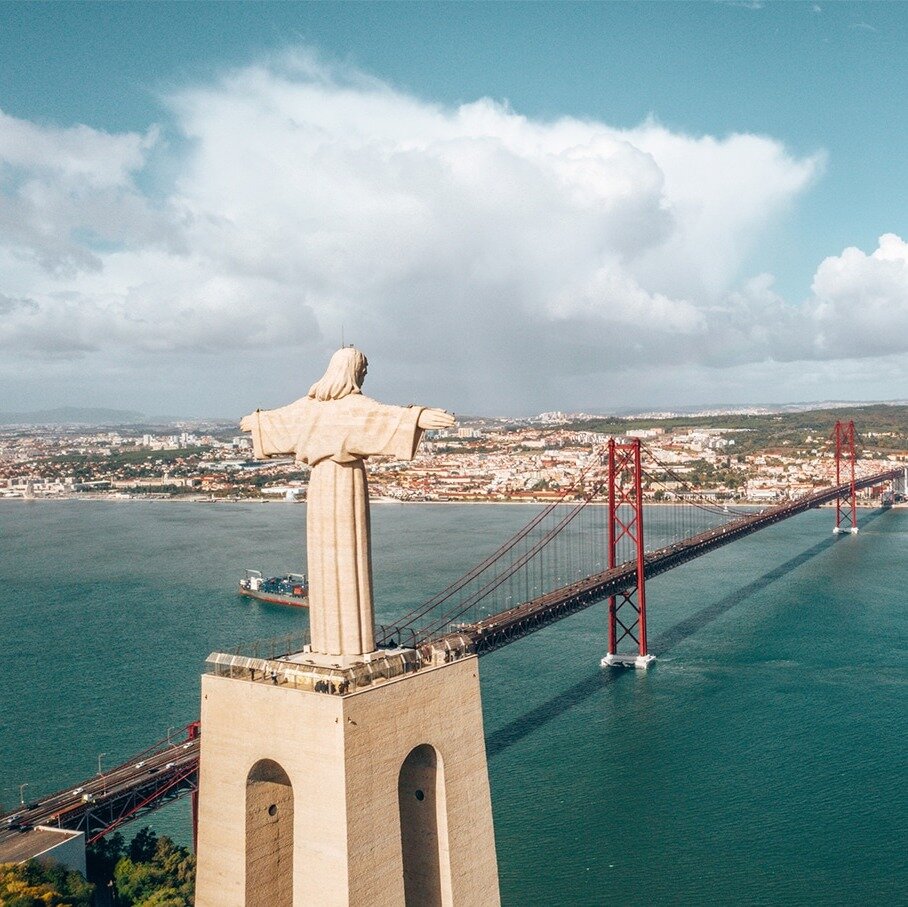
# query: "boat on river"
{"type": "Point", "coordinates": [291, 589]}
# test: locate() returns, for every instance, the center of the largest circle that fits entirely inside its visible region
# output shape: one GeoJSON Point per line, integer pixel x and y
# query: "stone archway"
{"type": "Point", "coordinates": [424, 829]}
{"type": "Point", "coordinates": [269, 836]}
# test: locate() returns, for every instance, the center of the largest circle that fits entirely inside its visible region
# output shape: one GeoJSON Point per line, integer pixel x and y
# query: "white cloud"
{"type": "Point", "coordinates": [518, 257]}
{"type": "Point", "coordinates": [860, 305]}
{"type": "Point", "coordinates": [79, 158]}
{"type": "Point", "coordinates": [723, 193]}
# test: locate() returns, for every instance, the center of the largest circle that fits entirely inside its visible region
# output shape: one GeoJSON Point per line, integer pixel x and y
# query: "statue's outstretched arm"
{"type": "Point", "coordinates": [435, 419]}
{"type": "Point", "coordinates": [274, 431]}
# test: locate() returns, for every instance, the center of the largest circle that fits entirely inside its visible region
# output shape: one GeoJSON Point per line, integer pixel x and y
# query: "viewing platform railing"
{"type": "Point", "coordinates": [293, 669]}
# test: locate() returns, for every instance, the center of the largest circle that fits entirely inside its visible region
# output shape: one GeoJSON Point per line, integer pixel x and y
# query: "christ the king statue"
{"type": "Point", "coordinates": [333, 429]}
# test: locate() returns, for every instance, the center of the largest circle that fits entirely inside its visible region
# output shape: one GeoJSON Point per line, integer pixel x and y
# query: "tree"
{"type": "Point", "coordinates": [137, 882]}
{"type": "Point", "coordinates": [35, 884]}
{"type": "Point", "coordinates": [165, 897]}
{"type": "Point", "coordinates": [142, 847]}
{"type": "Point", "coordinates": [101, 858]}
{"type": "Point", "coordinates": [154, 872]}
{"type": "Point", "coordinates": [178, 863]}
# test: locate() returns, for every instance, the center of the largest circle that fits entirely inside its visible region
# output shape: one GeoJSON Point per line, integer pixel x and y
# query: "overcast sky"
{"type": "Point", "coordinates": [508, 208]}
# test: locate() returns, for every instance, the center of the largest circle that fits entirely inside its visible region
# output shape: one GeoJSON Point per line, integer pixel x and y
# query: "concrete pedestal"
{"type": "Point", "coordinates": [641, 662]}
{"type": "Point", "coordinates": [379, 796]}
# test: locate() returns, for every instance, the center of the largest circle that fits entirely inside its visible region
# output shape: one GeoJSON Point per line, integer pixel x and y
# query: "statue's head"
{"type": "Point", "coordinates": [345, 375]}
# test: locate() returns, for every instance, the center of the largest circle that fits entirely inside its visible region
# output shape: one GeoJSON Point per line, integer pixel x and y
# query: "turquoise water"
{"type": "Point", "coordinates": [761, 761]}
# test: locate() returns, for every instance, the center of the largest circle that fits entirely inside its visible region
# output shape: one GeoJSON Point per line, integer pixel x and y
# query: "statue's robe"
{"type": "Point", "coordinates": [334, 437]}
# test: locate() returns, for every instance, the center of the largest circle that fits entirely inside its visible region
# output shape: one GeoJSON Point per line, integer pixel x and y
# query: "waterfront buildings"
{"type": "Point", "coordinates": [478, 460]}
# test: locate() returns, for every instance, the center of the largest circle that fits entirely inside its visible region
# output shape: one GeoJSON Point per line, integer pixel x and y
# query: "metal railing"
{"type": "Point", "coordinates": [301, 674]}
{"type": "Point", "coordinates": [276, 647]}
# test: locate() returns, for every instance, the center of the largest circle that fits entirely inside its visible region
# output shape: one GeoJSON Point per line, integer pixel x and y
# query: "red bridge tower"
{"type": "Point", "coordinates": [846, 519]}
{"type": "Point", "coordinates": [627, 610]}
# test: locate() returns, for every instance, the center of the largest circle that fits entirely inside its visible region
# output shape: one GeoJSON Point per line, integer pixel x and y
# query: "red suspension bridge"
{"type": "Point", "coordinates": [572, 555]}
{"type": "Point", "coordinates": [588, 547]}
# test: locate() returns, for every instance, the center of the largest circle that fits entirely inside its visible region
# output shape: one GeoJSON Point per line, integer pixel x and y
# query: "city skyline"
{"type": "Point", "coordinates": [518, 208]}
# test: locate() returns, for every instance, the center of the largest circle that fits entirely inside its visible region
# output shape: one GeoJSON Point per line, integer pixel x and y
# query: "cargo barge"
{"type": "Point", "coordinates": [291, 589]}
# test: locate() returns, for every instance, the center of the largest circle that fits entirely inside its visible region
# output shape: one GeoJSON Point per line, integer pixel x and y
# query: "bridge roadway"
{"type": "Point", "coordinates": [103, 803]}
{"type": "Point", "coordinates": [499, 629]}
{"type": "Point", "coordinates": [164, 773]}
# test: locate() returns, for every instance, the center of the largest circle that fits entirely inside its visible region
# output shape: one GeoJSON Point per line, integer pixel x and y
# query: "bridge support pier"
{"type": "Point", "coordinates": [641, 662]}
{"type": "Point", "coordinates": [376, 796]}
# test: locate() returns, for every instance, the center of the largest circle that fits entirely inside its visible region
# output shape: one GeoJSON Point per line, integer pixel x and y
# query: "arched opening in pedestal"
{"type": "Point", "coordinates": [269, 836]}
{"type": "Point", "coordinates": [424, 829]}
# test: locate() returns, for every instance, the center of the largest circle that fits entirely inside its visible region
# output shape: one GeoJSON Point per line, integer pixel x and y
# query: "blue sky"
{"type": "Point", "coordinates": [818, 88]}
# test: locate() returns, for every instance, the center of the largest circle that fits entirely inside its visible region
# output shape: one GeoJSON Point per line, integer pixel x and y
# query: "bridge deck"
{"type": "Point", "coordinates": [504, 627]}
{"type": "Point", "coordinates": [102, 803]}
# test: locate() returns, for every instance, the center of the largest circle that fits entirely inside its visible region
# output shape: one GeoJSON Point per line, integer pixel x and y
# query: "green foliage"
{"type": "Point", "coordinates": [102, 857]}
{"type": "Point", "coordinates": [142, 847]}
{"type": "Point", "coordinates": [165, 897]}
{"type": "Point", "coordinates": [149, 872]}
{"type": "Point", "coordinates": [35, 884]}
{"type": "Point", "coordinates": [141, 455]}
{"type": "Point", "coordinates": [136, 882]}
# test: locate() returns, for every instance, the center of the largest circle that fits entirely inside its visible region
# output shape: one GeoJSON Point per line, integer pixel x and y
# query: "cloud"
{"type": "Point", "coordinates": [857, 309]}
{"type": "Point", "coordinates": [78, 157]}
{"type": "Point", "coordinates": [64, 190]}
{"type": "Point", "coordinates": [860, 302]}
{"type": "Point", "coordinates": [499, 258]}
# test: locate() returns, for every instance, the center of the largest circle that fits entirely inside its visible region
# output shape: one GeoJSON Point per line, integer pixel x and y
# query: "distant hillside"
{"type": "Point", "coordinates": [72, 415]}
{"type": "Point", "coordinates": [748, 409]}
{"type": "Point", "coordinates": [879, 425]}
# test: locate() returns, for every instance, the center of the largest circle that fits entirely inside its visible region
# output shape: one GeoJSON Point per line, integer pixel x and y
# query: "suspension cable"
{"type": "Point", "coordinates": [422, 610]}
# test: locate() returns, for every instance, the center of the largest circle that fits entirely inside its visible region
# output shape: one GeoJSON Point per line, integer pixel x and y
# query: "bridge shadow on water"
{"type": "Point", "coordinates": [526, 724]}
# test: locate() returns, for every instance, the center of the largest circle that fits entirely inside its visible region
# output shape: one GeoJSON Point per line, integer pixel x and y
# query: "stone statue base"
{"type": "Point", "coordinates": [376, 796]}
{"type": "Point", "coordinates": [339, 661]}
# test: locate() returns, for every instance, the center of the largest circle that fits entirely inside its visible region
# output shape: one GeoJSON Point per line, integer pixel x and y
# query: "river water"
{"type": "Point", "coordinates": [762, 760]}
